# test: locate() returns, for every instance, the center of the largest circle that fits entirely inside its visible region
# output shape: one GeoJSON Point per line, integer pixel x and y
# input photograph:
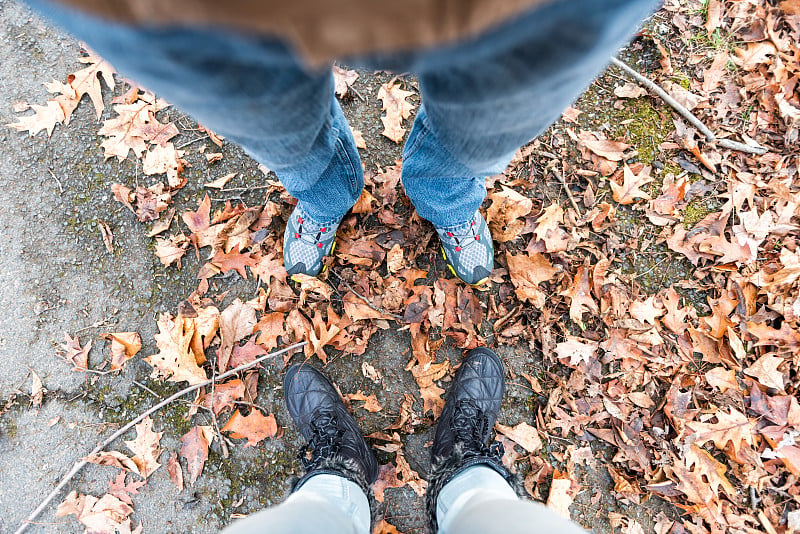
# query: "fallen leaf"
{"type": "Point", "coordinates": [765, 370]}
{"type": "Point", "coordinates": [75, 354]}
{"type": "Point", "coordinates": [371, 403]}
{"type": "Point", "coordinates": [397, 109]}
{"type": "Point", "coordinates": [220, 182]}
{"type": "Point", "coordinates": [124, 346]}
{"type": "Point", "coordinates": [630, 190]}
{"type": "Point", "coordinates": [122, 489]}
{"type": "Point", "coordinates": [527, 272]}
{"type": "Point", "coordinates": [146, 448]}
{"type": "Point", "coordinates": [176, 361]}
{"type": "Point", "coordinates": [504, 215]}
{"type": "Point", "coordinates": [522, 434]}
{"type": "Point", "coordinates": [253, 427]}
{"type": "Point", "coordinates": [562, 493]}
{"type": "Point", "coordinates": [194, 449]}
{"type": "Point", "coordinates": [174, 470]}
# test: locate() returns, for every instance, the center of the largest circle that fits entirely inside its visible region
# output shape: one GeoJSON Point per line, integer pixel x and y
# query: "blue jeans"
{"type": "Point", "coordinates": [482, 98]}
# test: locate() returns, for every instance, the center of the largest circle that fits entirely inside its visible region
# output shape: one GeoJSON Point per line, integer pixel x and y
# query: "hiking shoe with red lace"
{"type": "Point", "coordinates": [468, 251]}
{"type": "Point", "coordinates": [307, 242]}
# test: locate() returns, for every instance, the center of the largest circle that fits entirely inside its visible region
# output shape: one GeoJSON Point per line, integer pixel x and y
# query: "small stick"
{"type": "Point", "coordinates": [569, 193]}
{"type": "Point", "coordinates": [685, 113]}
{"type": "Point", "coordinates": [187, 143]}
{"type": "Point", "coordinates": [81, 463]}
{"type": "Point", "coordinates": [366, 301]}
{"type": "Point", "coordinates": [60, 189]}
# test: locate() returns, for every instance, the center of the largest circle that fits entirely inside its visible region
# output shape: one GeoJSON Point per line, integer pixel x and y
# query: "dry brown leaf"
{"type": "Point", "coordinates": [522, 434]}
{"type": "Point", "coordinates": [122, 490]}
{"type": "Point", "coordinates": [175, 471]}
{"type": "Point", "coordinates": [630, 190]}
{"type": "Point", "coordinates": [371, 403]}
{"type": "Point", "coordinates": [194, 449]}
{"type": "Point", "coordinates": [220, 182]}
{"type": "Point", "coordinates": [765, 370]}
{"type": "Point", "coordinates": [75, 354]}
{"type": "Point", "coordinates": [253, 427]}
{"type": "Point", "coordinates": [578, 350]}
{"type": "Point", "coordinates": [527, 272]}
{"type": "Point", "coordinates": [235, 323]}
{"type": "Point", "coordinates": [146, 448]}
{"type": "Point", "coordinates": [176, 361]}
{"type": "Point", "coordinates": [170, 250]}
{"type": "Point", "coordinates": [124, 346]}
{"type": "Point", "coordinates": [504, 215]}
{"type": "Point", "coordinates": [562, 493]}
{"type": "Point", "coordinates": [397, 109]}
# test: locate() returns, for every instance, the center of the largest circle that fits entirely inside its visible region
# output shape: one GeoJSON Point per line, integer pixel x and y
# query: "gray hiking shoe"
{"type": "Point", "coordinates": [306, 242]}
{"type": "Point", "coordinates": [468, 251]}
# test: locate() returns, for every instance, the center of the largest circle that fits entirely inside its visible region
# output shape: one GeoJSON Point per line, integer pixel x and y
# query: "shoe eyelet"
{"type": "Point", "coordinates": [449, 234]}
{"type": "Point", "coordinates": [300, 220]}
{"type": "Point", "coordinates": [323, 229]}
{"type": "Point", "coordinates": [319, 245]}
{"type": "Point", "coordinates": [477, 238]}
{"type": "Point", "coordinates": [296, 235]}
{"type": "Point", "coordinates": [458, 249]}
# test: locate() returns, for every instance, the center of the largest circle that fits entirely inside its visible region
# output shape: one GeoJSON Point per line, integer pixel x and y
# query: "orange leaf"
{"type": "Point", "coordinates": [254, 427]}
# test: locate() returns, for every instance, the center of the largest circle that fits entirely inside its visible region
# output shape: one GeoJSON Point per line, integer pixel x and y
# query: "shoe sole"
{"type": "Point", "coordinates": [476, 284]}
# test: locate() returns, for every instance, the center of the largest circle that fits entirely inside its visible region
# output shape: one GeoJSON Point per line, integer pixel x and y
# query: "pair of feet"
{"type": "Point", "coordinates": [336, 445]}
{"type": "Point", "coordinates": [467, 248]}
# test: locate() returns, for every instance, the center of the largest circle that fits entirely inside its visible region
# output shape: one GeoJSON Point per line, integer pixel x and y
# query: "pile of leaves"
{"type": "Point", "coordinates": [686, 393]}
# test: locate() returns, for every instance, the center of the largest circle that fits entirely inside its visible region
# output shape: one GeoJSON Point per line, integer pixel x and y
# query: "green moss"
{"type": "Point", "coordinates": [697, 210]}
{"type": "Point", "coordinates": [640, 124]}
{"type": "Point", "coordinates": [8, 428]}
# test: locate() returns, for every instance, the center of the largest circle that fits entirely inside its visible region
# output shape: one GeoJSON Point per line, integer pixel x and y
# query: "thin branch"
{"type": "Point", "coordinates": [366, 301]}
{"type": "Point", "coordinates": [187, 143]}
{"type": "Point", "coordinates": [569, 193]}
{"type": "Point", "coordinates": [80, 464]}
{"type": "Point", "coordinates": [685, 113]}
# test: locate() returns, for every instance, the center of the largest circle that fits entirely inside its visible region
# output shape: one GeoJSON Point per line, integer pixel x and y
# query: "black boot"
{"type": "Point", "coordinates": [334, 441]}
{"type": "Point", "coordinates": [466, 423]}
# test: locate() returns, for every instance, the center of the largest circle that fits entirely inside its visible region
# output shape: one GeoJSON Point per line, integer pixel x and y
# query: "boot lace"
{"type": "Point", "coordinates": [326, 440]}
{"type": "Point", "coordinates": [463, 241]}
{"type": "Point", "coordinates": [312, 235]}
{"type": "Point", "coordinates": [471, 427]}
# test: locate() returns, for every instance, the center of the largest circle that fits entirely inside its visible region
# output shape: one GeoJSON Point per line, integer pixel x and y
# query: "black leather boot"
{"type": "Point", "coordinates": [466, 423]}
{"type": "Point", "coordinates": [334, 441]}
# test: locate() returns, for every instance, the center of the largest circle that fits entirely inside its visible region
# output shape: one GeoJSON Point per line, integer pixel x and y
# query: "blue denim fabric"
{"type": "Point", "coordinates": [482, 98]}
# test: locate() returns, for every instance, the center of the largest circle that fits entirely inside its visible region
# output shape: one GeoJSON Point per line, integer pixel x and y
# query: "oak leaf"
{"type": "Point", "coordinates": [397, 109]}
{"type": "Point", "coordinates": [563, 490]}
{"type": "Point", "coordinates": [269, 328]}
{"type": "Point", "coordinates": [106, 515]}
{"type": "Point", "coordinates": [504, 215]}
{"type": "Point", "coordinates": [235, 323]}
{"type": "Point", "coordinates": [124, 346]}
{"type": "Point", "coordinates": [578, 350]}
{"type": "Point", "coordinates": [527, 272]}
{"type": "Point", "coordinates": [122, 490]}
{"type": "Point", "coordinates": [253, 427]}
{"type": "Point", "coordinates": [765, 370]}
{"type": "Point", "coordinates": [75, 354]}
{"type": "Point", "coordinates": [371, 403]}
{"type": "Point", "coordinates": [732, 428]}
{"type": "Point", "coordinates": [629, 190]}
{"type": "Point", "coordinates": [176, 361]}
{"type": "Point", "coordinates": [194, 448]}
{"type": "Point", "coordinates": [146, 448]}
{"type": "Point", "coordinates": [522, 434]}
{"type": "Point", "coordinates": [579, 293]}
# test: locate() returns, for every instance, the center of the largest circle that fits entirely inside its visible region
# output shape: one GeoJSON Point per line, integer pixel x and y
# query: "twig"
{"type": "Point", "coordinates": [569, 193]}
{"type": "Point", "coordinates": [80, 464]}
{"type": "Point", "coordinates": [253, 188]}
{"type": "Point", "coordinates": [366, 301]}
{"type": "Point", "coordinates": [222, 444]}
{"type": "Point", "coordinates": [187, 143]}
{"type": "Point", "coordinates": [60, 189]}
{"type": "Point", "coordinates": [685, 113]}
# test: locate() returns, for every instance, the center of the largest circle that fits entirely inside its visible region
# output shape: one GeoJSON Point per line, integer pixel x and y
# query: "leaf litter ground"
{"type": "Point", "coordinates": [648, 316]}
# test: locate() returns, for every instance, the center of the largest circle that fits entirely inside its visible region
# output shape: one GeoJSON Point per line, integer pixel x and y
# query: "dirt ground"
{"type": "Point", "coordinates": [57, 277]}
